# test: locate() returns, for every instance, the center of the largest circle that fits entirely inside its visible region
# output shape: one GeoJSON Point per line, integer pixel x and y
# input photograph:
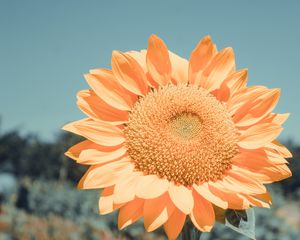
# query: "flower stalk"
{"type": "Point", "coordinates": [190, 232]}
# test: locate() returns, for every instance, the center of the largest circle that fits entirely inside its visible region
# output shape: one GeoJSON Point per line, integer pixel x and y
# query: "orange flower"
{"type": "Point", "coordinates": [169, 138]}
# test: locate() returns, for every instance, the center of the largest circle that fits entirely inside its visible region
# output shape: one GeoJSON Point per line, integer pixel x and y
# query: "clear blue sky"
{"type": "Point", "coordinates": [46, 47]}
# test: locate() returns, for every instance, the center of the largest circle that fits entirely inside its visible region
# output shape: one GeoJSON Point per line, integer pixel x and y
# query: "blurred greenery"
{"type": "Point", "coordinates": [48, 205]}
{"type": "Point", "coordinates": [29, 156]}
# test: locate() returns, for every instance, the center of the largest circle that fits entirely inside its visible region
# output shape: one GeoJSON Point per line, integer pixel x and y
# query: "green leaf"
{"type": "Point", "coordinates": [234, 217]}
{"type": "Point", "coordinates": [241, 221]}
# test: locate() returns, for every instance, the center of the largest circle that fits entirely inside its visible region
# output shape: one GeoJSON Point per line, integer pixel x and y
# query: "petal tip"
{"type": "Point", "coordinates": [68, 127]}
{"type": "Point", "coordinates": [244, 71]}
{"type": "Point", "coordinates": [154, 40]}
{"type": "Point", "coordinates": [206, 39]}
{"type": "Point", "coordinates": [229, 50]}
{"type": "Point", "coordinates": [116, 53]}
{"type": "Point", "coordinates": [153, 37]}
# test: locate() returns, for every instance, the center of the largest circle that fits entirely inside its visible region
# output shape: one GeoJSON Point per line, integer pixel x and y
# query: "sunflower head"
{"type": "Point", "coordinates": [168, 138]}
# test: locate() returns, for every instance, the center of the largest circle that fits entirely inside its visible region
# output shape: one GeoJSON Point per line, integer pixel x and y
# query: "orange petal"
{"type": "Point", "coordinates": [106, 204]}
{"type": "Point", "coordinates": [125, 190]}
{"type": "Point", "coordinates": [129, 73]}
{"type": "Point", "coordinates": [157, 211]}
{"type": "Point", "coordinates": [182, 197]}
{"type": "Point", "coordinates": [204, 190]}
{"type": "Point", "coordinates": [243, 96]}
{"type": "Point", "coordinates": [200, 57]}
{"type": "Point", "coordinates": [258, 159]}
{"type": "Point", "coordinates": [237, 81]}
{"type": "Point", "coordinates": [251, 158]}
{"type": "Point", "coordinates": [179, 68]}
{"type": "Point", "coordinates": [130, 213]}
{"type": "Point", "coordinates": [259, 135]}
{"type": "Point", "coordinates": [151, 186]}
{"type": "Point", "coordinates": [256, 202]}
{"type": "Point", "coordinates": [87, 152]}
{"type": "Point", "coordinates": [266, 197]}
{"type": "Point", "coordinates": [71, 128]}
{"type": "Point", "coordinates": [234, 200]}
{"type": "Point", "coordinates": [268, 174]}
{"type": "Point", "coordinates": [158, 61]}
{"type": "Point", "coordinates": [97, 109]}
{"type": "Point", "coordinates": [261, 175]}
{"type": "Point", "coordinates": [203, 215]}
{"type": "Point", "coordinates": [256, 177]}
{"type": "Point", "coordinates": [276, 118]}
{"type": "Point", "coordinates": [232, 84]}
{"type": "Point", "coordinates": [99, 132]}
{"type": "Point", "coordinates": [140, 57]}
{"type": "Point", "coordinates": [276, 172]}
{"type": "Point", "coordinates": [280, 118]}
{"type": "Point", "coordinates": [218, 70]}
{"type": "Point", "coordinates": [222, 94]}
{"type": "Point", "coordinates": [280, 149]}
{"type": "Point", "coordinates": [151, 82]}
{"type": "Point", "coordinates": [175, 224]}
{"type": "Point", "coordinates": [106, 175]}
{"type": "Point", "coordinates": [237, 181]}
{"type": "Point", "coordinates": [274, 157]}
{"type": "Point", "coordinates": [107, 88]}
{"type": "Point", "coordinates": [256, 108]}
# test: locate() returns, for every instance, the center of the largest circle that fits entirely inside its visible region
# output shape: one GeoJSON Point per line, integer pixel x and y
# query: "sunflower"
{"type": "Point", "coordinates": [170, 139]}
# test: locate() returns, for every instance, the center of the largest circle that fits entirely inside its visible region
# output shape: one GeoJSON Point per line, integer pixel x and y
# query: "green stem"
{"type": "Point", "coordinates": [189, 232]}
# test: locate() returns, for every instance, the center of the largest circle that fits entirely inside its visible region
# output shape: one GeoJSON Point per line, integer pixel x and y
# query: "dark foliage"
{"type": "Point", "coordinates": [29, 156]}
{"type": "Point", "coordinates": [292, 184]}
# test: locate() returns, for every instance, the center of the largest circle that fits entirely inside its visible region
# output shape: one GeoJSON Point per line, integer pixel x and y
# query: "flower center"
{"type": "Point", "coordinates": [185, 126]}
{"type": "Point", "coordinates": [181, 133]}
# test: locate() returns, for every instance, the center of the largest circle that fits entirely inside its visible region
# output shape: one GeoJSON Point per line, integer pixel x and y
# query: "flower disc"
{"type": "Point", "coordinates": [181, 133]}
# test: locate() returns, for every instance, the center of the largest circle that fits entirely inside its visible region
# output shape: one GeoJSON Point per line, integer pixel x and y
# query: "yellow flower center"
{"type": "Point", "coordinates": [181, 133]}
{"type": "Point", "coordinates": [185, 126]}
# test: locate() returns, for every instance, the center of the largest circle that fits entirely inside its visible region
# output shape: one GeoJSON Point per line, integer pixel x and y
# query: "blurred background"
{"type": "Point", "coordinates": [46, 47]}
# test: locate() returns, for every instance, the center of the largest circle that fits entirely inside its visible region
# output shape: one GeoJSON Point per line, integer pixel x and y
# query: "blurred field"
{"type": "Point", "coordinates": [40, 200]}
